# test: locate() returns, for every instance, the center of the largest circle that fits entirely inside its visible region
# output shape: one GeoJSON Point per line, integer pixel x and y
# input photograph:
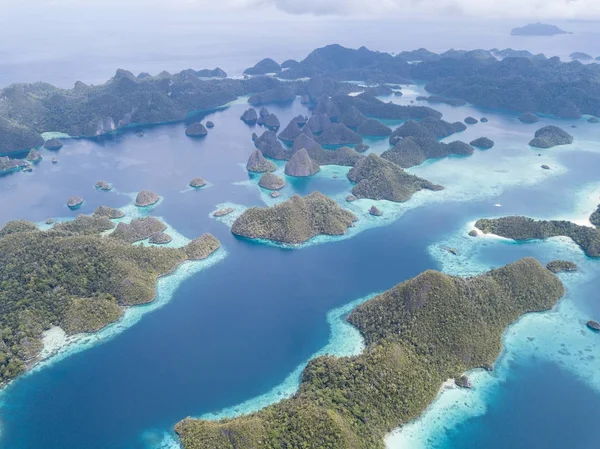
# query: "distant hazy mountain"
{"type": "Point", "coordinates": [538, 29]}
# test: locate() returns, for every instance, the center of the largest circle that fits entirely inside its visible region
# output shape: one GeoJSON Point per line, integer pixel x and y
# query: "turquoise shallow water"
{"type": "Point", "coordinates": [234, 336]}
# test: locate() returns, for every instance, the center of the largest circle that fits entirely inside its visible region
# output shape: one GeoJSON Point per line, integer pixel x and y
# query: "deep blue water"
{"type": "Point", "coordinates": [240, 327]}
{"type": "Point", "coordinates": [540, 406]}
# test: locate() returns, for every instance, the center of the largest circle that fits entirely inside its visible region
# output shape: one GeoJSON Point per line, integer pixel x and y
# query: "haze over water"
{"type": "Point", "coordinates": [239, 328]}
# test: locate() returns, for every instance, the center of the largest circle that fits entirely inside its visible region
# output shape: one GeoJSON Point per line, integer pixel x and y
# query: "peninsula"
{"type": "Point", "coordinates": [73, 277]}
{"type": "Point", "coordinates": [418, 334]}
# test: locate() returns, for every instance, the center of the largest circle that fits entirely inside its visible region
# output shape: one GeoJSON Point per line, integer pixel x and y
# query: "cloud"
{"type": "Point", "coordinates": [426, 9]}
{"type": "Point", "coordinates": [561, 9]}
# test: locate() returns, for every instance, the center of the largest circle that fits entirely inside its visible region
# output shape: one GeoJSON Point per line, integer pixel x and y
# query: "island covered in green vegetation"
{"type": "Point", "coordinates": [518, 81]}
{"type": "Point", "coordinates": [524, 228]}
{"type": "Point", "coordinates": [294, 221]}
{"type": "Point", "coordinates": [418, 334]}
{"type": "Point", "coordinates": [74, 277]}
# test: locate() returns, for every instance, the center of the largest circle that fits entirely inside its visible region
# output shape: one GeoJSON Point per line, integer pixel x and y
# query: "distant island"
{"type": "Point", "coordinates": [537, 29]}
{"type": "Point", "coordinates": [496, 79]}
{"type": "Point", "coordinates": [418, 334]}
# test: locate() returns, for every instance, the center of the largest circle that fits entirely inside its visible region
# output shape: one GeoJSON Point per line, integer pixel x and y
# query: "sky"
{"type": "Point", "coordinates": [493, 9]}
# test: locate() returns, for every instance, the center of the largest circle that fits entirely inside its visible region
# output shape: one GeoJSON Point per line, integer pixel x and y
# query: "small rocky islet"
{"type": "Point", "coordinates": [146, 198]}
{"type": "Point", "coordinates": [34, 156]}
{"type": "Point", "coordinates": [562, 266]}
{"type": "Point", "coordinates": [550, 136]}
{"type": "Point", "coordinates": [53, 144]}
{"type": "Point", "coordinates": [196, 129]}
{"type": "Point", "coordinates": [74, 202]}
{"type": "Point", "coordinates": [249, 117]}
{"type": "Point", "coordinates": [196, 183]}
{"type": "Point", "coordinates": [103, 185]}
{"type": "Point", "coordinates": [270, 181]}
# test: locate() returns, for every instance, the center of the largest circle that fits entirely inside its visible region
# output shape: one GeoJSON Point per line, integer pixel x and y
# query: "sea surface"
{"type": "Point", "coordinates": [235, 335]}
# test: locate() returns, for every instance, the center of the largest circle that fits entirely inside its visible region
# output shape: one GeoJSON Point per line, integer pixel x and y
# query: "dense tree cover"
{"type": "Point", "coordinates": [295, 220]}
{"type": "Point", "coordinates": [520, 81]}
{"type": "Point", "coordinates": [73, 277]}
{"type": "Point", "coordinates": [550, 136]}
{"type": "Point", "coordinates": [27, 110]}
{"type": "Point", "coordinates": [380, 179]}
{"type": "Point", "coordinates": [411, 151]}
{"type": "Point", "coordinates": [559, 266]}
{"type": "Point", "coordinates": [418, 334]}
{"type": "Point", "coordinates": [550, 86]}
{"type": "Point", "coordinates": [523, 228]}
{"type": "Point", "coordinates": [595, 217]}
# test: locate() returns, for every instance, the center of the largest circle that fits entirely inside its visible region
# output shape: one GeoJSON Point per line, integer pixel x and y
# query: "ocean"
{"type": "Point", "coordinates": [233, 336]}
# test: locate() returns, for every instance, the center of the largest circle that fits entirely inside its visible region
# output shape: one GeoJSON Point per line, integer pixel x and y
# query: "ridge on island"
{"type": "Point", "coordinates": [294, 221]}
{"type": "Point", "coordinates": [379, 179]}
{"type": "Point", "coordinates": [84, 281]}
{"type": "Point", "coordinates": [411, 151]}
{"type": "Point", "coordinates": [507, 79]}
{"type": "Point", "coordinates": [524, 228]}
{"type": "Point", "coordinates": [417, 334]}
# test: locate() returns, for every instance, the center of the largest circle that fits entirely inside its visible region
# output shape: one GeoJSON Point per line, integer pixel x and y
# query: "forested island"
{"type": "Point", "coordinates": [73, 277]}
{"type": "Point", "coordinates": [518, 81]}
{"type": "Point", "coordinates": [418, 334]}
{"type": "Point", "coordinates": [523, 228]}
{"type": "Point", "coordinates": [295, 220]}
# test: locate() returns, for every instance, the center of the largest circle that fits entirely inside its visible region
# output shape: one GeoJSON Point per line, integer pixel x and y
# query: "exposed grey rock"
{"type": "Point", "coordinates": [210, 124]}
{"type": "Point", "coordinates": [483, 143]}
{"type": "Point", "coordinates": [471, 120]}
